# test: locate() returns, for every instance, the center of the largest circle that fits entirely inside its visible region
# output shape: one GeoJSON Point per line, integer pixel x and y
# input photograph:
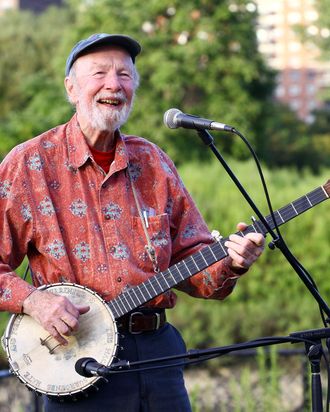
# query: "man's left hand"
{"type": "Point", "coordinates": [244, 250]}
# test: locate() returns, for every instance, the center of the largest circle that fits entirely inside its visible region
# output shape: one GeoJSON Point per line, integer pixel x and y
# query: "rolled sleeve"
{"type": "Point", "coordinates": [13, 291]}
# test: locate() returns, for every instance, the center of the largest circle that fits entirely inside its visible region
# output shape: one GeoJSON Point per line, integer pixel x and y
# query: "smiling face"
{"type": "Point", "coordinates": [101, 86]}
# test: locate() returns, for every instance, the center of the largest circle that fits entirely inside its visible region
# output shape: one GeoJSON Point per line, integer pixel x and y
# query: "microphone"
{"type": "Point", "coordinates": [89, 367]}
{"type": "Point", "coordinates": [174, 118]}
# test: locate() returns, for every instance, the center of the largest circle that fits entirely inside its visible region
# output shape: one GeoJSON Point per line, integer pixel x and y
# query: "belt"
{"type": "Point", "coordinates": [142, 321]}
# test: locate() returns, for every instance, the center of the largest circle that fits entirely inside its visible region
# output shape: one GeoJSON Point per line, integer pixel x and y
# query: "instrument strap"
{"type": "Point", "coordinates": [27, 270]}
{"type": "Point", "coordinates": [148, 247]}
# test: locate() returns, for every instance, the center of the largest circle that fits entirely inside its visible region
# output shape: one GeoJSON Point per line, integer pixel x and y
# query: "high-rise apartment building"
{"type": "Point", "coordinates": [302, 74]}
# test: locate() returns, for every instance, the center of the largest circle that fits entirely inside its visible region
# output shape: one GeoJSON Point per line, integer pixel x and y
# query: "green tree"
{"type": "Point", "coordinates": [320, 129]}
{"type": "Point", "coordinates": [323, 22]}
{"type": "Point", "coordinates": [31, 98]}
{"type": "Point", "coordinates": [199, 55]}
{"type": "Point", "coordinates": [319, 36]}
{"type": "Point", "coordinates": [288, 141]}
{"type": "Point", "coordinates": [320, 132]}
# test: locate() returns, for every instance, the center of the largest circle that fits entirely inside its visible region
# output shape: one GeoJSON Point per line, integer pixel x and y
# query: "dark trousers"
{"type": "Point", "coordinates": [158, 390]}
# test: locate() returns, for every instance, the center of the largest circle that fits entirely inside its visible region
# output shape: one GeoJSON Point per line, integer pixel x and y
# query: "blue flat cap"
{"type": "Point", "coordinates": [100, 39]}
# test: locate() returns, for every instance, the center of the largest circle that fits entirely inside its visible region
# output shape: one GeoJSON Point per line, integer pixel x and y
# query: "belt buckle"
{"type": "Point", "coordinates": [131, 323]}
{"type": "Point", "coordinates": [157, 320]}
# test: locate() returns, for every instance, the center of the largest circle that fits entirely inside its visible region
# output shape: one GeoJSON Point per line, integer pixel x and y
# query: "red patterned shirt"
{"type": "Point", "coordinates": [78, 224]}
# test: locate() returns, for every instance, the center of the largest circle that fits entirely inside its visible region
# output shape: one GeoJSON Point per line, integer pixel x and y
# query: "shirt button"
{"type": "Point", "coordinates": [104, 185]}
{"type": "Point", "coordinates": [107, 217]}
{"type": "Point", "coordinates": [119, 279]}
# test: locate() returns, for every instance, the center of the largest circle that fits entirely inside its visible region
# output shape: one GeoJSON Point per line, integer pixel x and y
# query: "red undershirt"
{"type": "Point", "coordinates": [103, 159]}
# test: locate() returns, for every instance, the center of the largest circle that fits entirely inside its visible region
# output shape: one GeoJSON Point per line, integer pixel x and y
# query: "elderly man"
{"type": "Point", "coordinates": [91, 206]}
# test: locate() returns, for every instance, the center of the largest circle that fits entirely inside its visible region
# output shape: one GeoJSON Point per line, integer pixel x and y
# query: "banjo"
{"type": "Point", "coordinates": [48, 368]}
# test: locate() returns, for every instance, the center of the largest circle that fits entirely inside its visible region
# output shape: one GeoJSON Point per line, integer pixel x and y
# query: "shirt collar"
{"type": "Point", "coordinates": [79, 152]}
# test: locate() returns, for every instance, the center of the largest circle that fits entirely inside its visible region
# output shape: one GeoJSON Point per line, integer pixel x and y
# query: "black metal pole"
{"type": "Point", "coordinates": [314, 354]}
{"type": "Point", "coordinates": [312, 339]}
{"type": "Point", "coordinates": [208, 140]}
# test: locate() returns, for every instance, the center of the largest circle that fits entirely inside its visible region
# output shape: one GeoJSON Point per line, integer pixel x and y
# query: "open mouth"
{"type": "Point", "coordinates": [110, 102]}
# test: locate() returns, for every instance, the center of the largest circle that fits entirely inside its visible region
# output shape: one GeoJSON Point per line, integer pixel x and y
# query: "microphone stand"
{"type": "Point", "coordinates": [277, 241]}
{"type": "Point", "coordinates": [312, 339]}
{"type": "Point", "coordinates": [313, 350]}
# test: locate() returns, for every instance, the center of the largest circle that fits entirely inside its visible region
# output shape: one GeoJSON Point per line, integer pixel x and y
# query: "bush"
{"type": "Point", "coordinates": [270, 299]}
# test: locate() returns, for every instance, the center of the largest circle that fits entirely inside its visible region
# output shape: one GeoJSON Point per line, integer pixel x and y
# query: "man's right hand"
{"type": "Point", "coordinates": [56, 314]}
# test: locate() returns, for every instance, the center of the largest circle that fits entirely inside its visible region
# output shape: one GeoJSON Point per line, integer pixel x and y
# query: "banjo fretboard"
{"type": "Point", "coordinates": [163, 281]}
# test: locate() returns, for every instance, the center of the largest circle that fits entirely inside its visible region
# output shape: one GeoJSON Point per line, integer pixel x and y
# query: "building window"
{"type": "Point", "coordinates": [294, 17]}
{"type": "Point", "coordinates": [310, 89]}
{"type": "Point", "coordinates": [311, 105]}
{"type": "Point", "coordinates": [295, 104]}
{"type": "Point", "coordinates": [311, 74]}
{"type": "Point", "coordinates": [294, 75]}
{"type": "Point", "coordinates": [312, 15]}
{"type": "Point", "coordinates": [294, 46]}
{"type": "Point", "coordinates": [294, 90]}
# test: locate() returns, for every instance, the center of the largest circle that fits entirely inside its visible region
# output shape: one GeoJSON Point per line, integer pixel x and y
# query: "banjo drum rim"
{"type": "Point", "coordinates": [92, 382]}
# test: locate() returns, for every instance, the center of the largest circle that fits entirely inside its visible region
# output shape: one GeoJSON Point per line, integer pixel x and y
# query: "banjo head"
{"type": "Point", "coordinates": [48, 368]}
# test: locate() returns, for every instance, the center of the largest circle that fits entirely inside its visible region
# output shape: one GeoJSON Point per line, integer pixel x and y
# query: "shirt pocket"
{"type": "Point", "coordinates": [158, 229]}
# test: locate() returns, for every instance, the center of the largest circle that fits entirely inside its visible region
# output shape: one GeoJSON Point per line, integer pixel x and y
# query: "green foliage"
{"type": "Point", "coordinates": [198, 55]}
{"type": "Point", "coordinates": [266, 382]}
{"type": "Point", "coordinates": [321, 125]}
{"type": "Point", "coordinates": [271, 299]}
{"type": "Point", "coordinates": [321, 37]}
{"type": "Point", "coordinates": [31, 98]}
{"type": "Point", "coordinates": [320, 132]}
{"type": "Point", "coordinates": [248, 404]}
{"type": "Point", "coordinates": [286, 141]}
{"type": "Point", "coordinates": [258, 389]}
{"type": "Point", "coordinates": [269, 379]}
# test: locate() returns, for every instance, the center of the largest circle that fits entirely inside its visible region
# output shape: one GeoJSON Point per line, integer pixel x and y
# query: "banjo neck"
{"type": "Point", "coordinates": [163, 281]}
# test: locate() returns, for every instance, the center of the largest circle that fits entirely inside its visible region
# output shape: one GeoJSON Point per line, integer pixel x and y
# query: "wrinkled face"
{"type": "Point", "coordinates": [101, 85]}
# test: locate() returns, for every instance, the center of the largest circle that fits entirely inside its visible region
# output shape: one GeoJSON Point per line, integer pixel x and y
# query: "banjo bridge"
{"type": "Point", "coordinates": [47, 342]}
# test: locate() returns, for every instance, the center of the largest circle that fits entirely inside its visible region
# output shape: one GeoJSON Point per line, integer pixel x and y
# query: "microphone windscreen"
{"type": "Point", "coordinates": [80, 366]}
{"type": "Point", "coordinates": [169, 118]}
